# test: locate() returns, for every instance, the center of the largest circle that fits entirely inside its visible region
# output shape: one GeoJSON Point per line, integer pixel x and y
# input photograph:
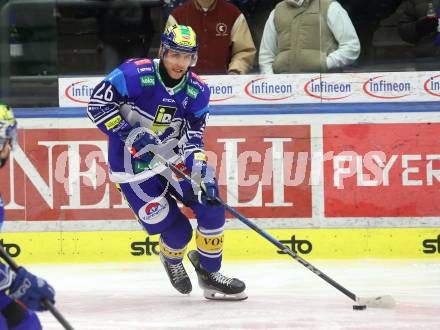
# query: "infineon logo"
{"type": "Point", "coordinates": [266, 89]}
{"type": "Point", "coordinates": [432, 85]}
{"type": "Point", "coordinates": [383, 89]}
{"type": "Point", "coordinates": [327, 90]}
{"type": "Point", "coordinates": [79, 91]}
{"type": "Point", "coordinates": [221, 93]}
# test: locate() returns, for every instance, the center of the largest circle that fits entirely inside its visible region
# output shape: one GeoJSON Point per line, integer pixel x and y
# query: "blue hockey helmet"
{"type": "Point", "coordinates": [180, 38]}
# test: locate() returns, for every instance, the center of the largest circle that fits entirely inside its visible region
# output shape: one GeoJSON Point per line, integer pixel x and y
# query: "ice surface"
{"type": "Point", "coordinates": [282, 295]}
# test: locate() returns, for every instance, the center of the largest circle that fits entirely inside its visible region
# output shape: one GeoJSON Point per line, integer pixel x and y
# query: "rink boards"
{"type": "Point", "coordinates": [110, 246]}
{"type": "Point", "coordinates": [333, 182]}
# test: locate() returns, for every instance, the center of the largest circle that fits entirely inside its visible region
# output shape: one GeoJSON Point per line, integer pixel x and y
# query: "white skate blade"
{"type": "Point", "coordinates": [216, 295]}
{"type": "Point", "coordinates": [377, 302]}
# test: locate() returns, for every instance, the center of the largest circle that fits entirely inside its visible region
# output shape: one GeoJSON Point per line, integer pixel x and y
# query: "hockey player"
{"type": "Point", "coordinates": [159, 106]}
{"type": "Point", "coordinates": [21, 292]}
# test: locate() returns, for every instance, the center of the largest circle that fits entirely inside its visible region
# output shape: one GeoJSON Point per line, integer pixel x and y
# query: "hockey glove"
{"type": "Point", "coordinates": [201, 172]}
{"type": "Point", "coordinates": [196, 163]}
{"type": "Point", "coordinates": [209, 192]}
{"type": "Point", "coordinates": [140, 142]}
{"type": "Point", "coordinates": [31, 290]}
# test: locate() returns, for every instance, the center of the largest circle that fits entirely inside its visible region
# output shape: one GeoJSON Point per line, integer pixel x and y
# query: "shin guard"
{"type": "Point", "coordinates": [173, 256]}
{"type": "Point", "coordinates": [210, 247]}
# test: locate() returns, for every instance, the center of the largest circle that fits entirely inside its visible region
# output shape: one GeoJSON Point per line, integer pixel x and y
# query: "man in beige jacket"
{"type": "Point", "coordinates": [308, 36]}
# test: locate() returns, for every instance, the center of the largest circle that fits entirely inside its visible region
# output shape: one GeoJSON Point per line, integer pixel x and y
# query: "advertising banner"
{"type": "Point", "coordinates": [137, 246]}
{"type": "Point", "coordinates": [292, 88]}
{"type": "Point", "coordinates": [382, 170]}
{"type": "Point", "coordinates": [61, 174]}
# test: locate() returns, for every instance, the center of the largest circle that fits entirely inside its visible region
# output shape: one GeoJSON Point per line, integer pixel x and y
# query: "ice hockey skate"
{"type": "Point", "coordinates": [177, 275]}
{"type": "Point", "coordinates": [215, 285]}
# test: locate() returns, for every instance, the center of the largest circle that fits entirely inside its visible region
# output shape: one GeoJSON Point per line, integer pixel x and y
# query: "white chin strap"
{"type": "Point", "coordinates": [295, 3]}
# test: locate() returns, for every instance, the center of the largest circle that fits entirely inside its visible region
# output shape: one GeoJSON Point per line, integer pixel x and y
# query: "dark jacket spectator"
{"type": "Point", "coordinates": [125, 29]}
{"type": "Point", "coordinates": [416, 27]}
{"type": "Point", "coordinates": [366, 16]}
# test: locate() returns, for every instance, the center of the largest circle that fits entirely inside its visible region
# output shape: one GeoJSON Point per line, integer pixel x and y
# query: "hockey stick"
{"type": "Point", "coordinates": [48, 304]}
{"type": "Point", "coordinates": [377, 302]}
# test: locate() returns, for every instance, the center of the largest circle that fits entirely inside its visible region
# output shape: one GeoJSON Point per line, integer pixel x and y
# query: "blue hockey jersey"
{"type": "Point", "coordinates": [134, 93]}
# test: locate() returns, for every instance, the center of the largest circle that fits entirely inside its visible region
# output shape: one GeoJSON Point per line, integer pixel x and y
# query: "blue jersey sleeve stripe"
{"type": "Point", "coordinates": [201, 112]}
{"type": "Point", "coordinates": [117, 79]}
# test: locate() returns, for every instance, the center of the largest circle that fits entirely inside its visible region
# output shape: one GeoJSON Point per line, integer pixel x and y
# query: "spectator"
{"type": "Point", "coordinates": [247, 7]}
{"type": "Point", "coordinates": [168, 6]}
{"type": "Point", "coordinates": [418, 25]}
{"type": "Point", "coordinates": [225, 42]}
{"type": "Point", "coordinates": [294, 41]}
{"type": "Point", "coordinates": [366, 17]}
{"type": "Point", "coordinates": [125, 29]}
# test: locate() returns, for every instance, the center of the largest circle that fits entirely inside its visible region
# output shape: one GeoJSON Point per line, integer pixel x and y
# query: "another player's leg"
{"type": "Point", "coordinates": [208, 257]}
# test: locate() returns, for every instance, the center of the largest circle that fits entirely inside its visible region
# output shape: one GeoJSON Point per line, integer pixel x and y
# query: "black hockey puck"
{"type": "Point", "coordinates": [359, 307]}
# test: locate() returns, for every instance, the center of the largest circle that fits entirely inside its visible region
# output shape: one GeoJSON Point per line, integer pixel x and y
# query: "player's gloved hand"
{"type": "Point", "coordinates": [140, 142]}
{"type": "Point", "coordinates": [425, 26]}
{"type": "Point", "coordinates": [196, 163]}
{"type": "Point", "coordinates": [201, 172]}
{"type": "Point", "coordinates": [31, 290]}
{"type": "Point", "coordinates": [209, 192]}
